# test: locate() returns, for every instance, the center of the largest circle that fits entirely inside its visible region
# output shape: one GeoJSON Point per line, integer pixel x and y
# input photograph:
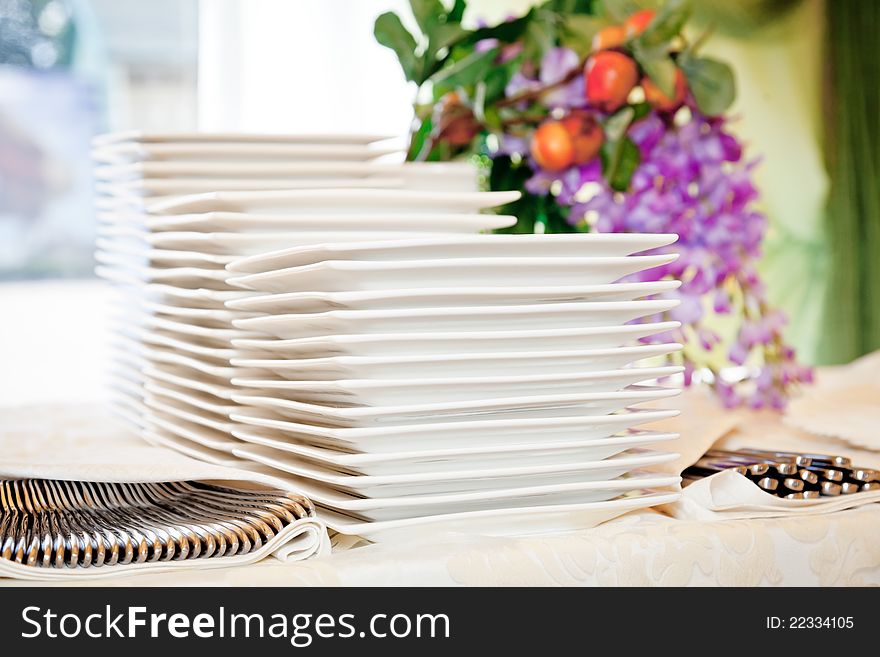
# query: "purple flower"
{"type": "Point", "coordinates": [556, 64]}
{"type": "Point", "coordinates": [692, 180]}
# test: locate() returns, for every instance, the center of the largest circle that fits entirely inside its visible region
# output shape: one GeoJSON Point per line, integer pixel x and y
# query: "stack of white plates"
{"type": "Point", "coordinates": [171, 219]}
{"type": "Point", "coordinates": [463, 381]}
{"type": "Point", "coordinates": [293, 302]}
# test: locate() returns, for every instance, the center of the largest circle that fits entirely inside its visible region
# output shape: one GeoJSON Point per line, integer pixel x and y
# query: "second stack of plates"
{"type": "Point", "coordinates": [465, 381]}
{"type": "Point", "coordinates": [173, 214]}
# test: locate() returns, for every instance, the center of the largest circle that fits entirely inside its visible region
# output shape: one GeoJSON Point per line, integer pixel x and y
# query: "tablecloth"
{"type": "Point", "coordinates": [643, 548]}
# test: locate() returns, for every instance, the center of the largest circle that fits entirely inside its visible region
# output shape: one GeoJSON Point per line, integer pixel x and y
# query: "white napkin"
{"type": "Point", "coordinates": [729, 496]}
{"type": "Point", "coordinates": [844, 403]}
{"type": "Point", "coordinates": [86, 445]}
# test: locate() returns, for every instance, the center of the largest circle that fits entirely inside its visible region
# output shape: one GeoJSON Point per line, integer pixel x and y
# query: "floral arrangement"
{"type": "Point", "coordinates": [608, 119]}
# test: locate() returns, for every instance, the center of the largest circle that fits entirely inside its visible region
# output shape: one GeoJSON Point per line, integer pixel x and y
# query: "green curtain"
{"type": "Point", "coordinates": [852, 150]}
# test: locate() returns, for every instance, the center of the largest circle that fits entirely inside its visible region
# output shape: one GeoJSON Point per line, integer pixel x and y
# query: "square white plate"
{"type": "Point", "coordinates": [402, 392]}
{"type": "Point", "coordinates": [193, 398]}
{"type": "Point", "coordinates": [393, 485]}
{"type": "Point", "coordinates": [466, 365]}
{"type": "Point", "coordinates": [442, 460]}
{"type": "Point", "coordinates": [139, 253]}
{"type": "Point", "coordinates": [423, 174]}
{"type": "Point", "coordinates": [584, 404]}
{"type": "Point", "coordinates": [399, 227]}
{"type": "Point", "coordinates": [125, 152]}
{"type": "Point", "coordinates": [452, 342]}
{"type": "Point", "coordinates": [517, 521]}
{"type": "Point", "coordinates": [468, 434]}
{"type": "Point", "coordinates": [345, 275]}
{"type": "Point", "coordinates": [464, 246]}
{"type": "Point", "coordinates": [236, 138]}
{"type": "Point", "coordinates": [171, 186]}
{"type": "Point", "coordinates": [417, 506]}
{"type": "Point", "coordinates": [467, 318]}
{"type": "Point", "coordinates": [334, 201]}
{"type": "Point", "coordinates": [240, 244]}
{"type": "Point", "coordinates": [442, 297]}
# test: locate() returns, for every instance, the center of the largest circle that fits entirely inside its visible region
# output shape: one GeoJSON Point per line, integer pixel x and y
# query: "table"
{"type": "Point", "coordinates": [644, 548]}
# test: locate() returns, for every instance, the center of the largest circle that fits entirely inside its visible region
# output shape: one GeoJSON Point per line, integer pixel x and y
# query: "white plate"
{"type": "Point", "coordinates": [421, 172]}
{"type": "Point", "coordinates": [236, 137]}
{"type": "Point", "coordinates": [540, 452]}
{"type": "Point", "coordinates": [518, 521]}
{"type": "Point", "coordinates": [585, 404]}
{"type": "Point", "coordinates": [124, 152]}
{"type": "Point", "coordinates": [334, 201]}
{"type": "Point", "coordinates": [134, 339]}
{"type": "Point", "coordinates": [171, 186]}
{"type": "Point", "coordinates": [176, 410]}
{"type": "Point", "coordinates": [188, 380]}
{"type": "Point", "coordinates": [425, 483]}
{"type": "Point", "coordinates": [416, 506]}
{"type": "Point", "coordinates": [201, 435]}
{"type": "Point", "coordinates": [220, 335]}
{"type": "Point", "coordinates": [161, 355]}
{"type": "Point", "coordinates": [168, 258]}
{"type": "Point", "coordinates": [240, 244]}
{"type": "Point", "coordinates": [465, 365]}
{"type": "Point", "coordinates": [345, 275]}
{"type": "Point", "coordinates": [400, 392]}
{"type": "Point", "coordinates": [193, 278]}
{"type": "Point", "coordinates": [134, 287]}
{"type": "Point", "coordinates": [161, 438]}
{"type": "Point", "coordinates": [467, 318]}
{"type": "Point", "coordinates": [567, 245]}
{"type": "Point", "coordinates": [442, 297]}
{"type": "Point", "coordinates": [467, 434]}
{"type": "Point", "coordinates": [192, 314]}
{"type": "Point", "coordinates": [424, 344]}
{"type": "Point", "coordinates": [191, 398]}
{"type": "Point", "coordinates": [403, 226]}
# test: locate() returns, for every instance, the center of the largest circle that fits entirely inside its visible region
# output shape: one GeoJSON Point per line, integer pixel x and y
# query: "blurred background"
{"type": "Point", "coordinates": [70, 69]}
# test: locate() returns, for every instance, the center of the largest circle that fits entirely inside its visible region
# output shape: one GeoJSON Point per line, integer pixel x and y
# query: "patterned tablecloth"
{"type": "Point", "coordinates": [643, 548]}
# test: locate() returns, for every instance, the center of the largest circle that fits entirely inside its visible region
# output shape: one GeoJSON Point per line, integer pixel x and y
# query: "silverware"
{"type": "Point", "coordinates": [789, 474]}
{"type": "Point", "coordinates": [68, 524]}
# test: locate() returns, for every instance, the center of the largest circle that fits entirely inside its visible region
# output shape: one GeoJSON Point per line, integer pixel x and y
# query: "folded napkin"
{"type": "Point", "coordinates": [844, 403]}
{"type": "Point", "coordinates": [704, 424]}
{"type": "Point", "coordinates": [91, 447]}
{"type": "Point", "coordinates": [729, 496]}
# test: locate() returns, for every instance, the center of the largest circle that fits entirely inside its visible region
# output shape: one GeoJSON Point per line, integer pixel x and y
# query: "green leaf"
{"type": "Point", "coordinates": [540, 36]}
{"type": "Point", "coordinates": [620, 158]}
{"type": "Point", "coordinates": [391, 33]}
{"type": "Point", "coordinates": [668, 23]}
{"type": "Point", "coordinates": [618, 10]}
{"type": "Point", "coordinates": [570, 6]}
{"type": "Point", "coordinates": [712, 83]}
{"type": "Point", "coordinates": [618, 123]}
{"type": "Point", "coordinates": [428, 14]}
{"type": "Point", "coordinates": [578, 32]}
{"type": "Point", "coordinates": [658, 66]}
{"type": "Point", "coordinates": [465, 72]}
{"type": "Point", "coordinates": [496, 81]}
{"type": "Point", "coordinates": [506, 32]}
{"type": "Point", "coordinates": [445, 35]}
{"type": "Point", "coordinates": [640, 111]}
{"type": "Point", "coordinates": [418, 138]}
{"type": "Point", "coordinates": [457, 11]}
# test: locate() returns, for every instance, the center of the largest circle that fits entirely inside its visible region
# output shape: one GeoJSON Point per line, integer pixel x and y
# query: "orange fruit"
{"type": "Point", "coordinates": [552, 146]}
{"type": "Point", "coordinates": [659, 100]}
{"type": "Point", "coordinates": [610, 77]}
{"type": "Point", "coordinates": [586, 136]}
{"type": "Point", "coordinates": [609, 37]}
{"type": "Point", "coordinates": [638, 22]}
